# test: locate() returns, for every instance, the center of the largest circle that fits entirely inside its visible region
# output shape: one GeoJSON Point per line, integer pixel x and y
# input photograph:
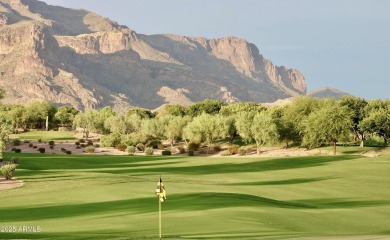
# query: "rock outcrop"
{"type": "Point", "coordinates": [76, 57]}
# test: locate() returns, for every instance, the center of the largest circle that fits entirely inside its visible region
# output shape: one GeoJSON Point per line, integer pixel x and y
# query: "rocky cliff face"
{"type": "Point", "coordinates": [76, 57]}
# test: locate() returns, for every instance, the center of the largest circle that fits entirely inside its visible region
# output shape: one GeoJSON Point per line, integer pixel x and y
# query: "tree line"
{"type": "Point", "coordinates": [306, 121]}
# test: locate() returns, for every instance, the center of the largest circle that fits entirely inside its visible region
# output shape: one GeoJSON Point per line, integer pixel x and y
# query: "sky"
{"type": "Point", "coordinates": [344, 44]}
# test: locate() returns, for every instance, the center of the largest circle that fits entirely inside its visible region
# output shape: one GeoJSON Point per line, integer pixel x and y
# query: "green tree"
{"type": "Point", "coordinates": [243, 123]}
{"type": "Point", "coordinates": [233, 109]}
{"type": "Point", "coordinates": [228, 127]}
{"type": "Point", "coordinates": [36, 113]}
{"type": "Point", "coordinates": [117, 124]}
{"type": "Point", "coordinates": [15, 114]}
{"type": "Point", "coordinates": [65, 115]}
{"type": "Point", "coordinates": [143, 113]}
{"type": "Point", "coordinates": [85, 120]}
{"type": "Point", "coordinates": [125, 129]}
{"type": "Point", "coordinates": [152, 129]}
{"type": "Point", "coordinates": [377, 119]}
{"type": "Point", "coordinates": [258, 127]}
{"type": "Point", "coordinates": [6, 129]}
{"type": "Point", "coordinates": [287, 131]}
{"type": "Point", "coordinates": [211, 107]}
{"type": "Point", "coordinates": [356, 106]}
{"type": "Point", "coordinates": [298, 111]}
{"type": "Point", "coordinates": [174, 128]}
{"type": "Point", "coordinates": [203, 129]}
{"type": "Point", "coordinates": [175, 110]}
{"type": "Point", "coordinates": [329, 124]}
{"type": "Point", "coordinates": [99, 117]}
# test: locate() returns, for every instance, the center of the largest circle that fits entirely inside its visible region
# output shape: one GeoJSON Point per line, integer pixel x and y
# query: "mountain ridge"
{"type": "Point", "coordinates": [69, 56]}
{"type": "Point", "coordinates": [327, 92]}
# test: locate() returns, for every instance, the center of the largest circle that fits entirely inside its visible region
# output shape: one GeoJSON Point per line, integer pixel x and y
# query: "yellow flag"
{"type": "Point", "coordinates": [160, 191]}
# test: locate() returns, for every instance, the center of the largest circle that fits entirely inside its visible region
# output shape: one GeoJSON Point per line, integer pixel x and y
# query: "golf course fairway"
{"type": "Point", "coordinates": [113, 197]}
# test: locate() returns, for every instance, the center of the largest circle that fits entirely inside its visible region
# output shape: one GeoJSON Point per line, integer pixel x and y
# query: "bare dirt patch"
{"type": "Point", "coordinates": [283, 152]}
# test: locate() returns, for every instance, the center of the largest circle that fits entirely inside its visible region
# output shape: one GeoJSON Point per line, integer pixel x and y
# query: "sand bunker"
{"type": "Point", "coordinates": [9, 184]}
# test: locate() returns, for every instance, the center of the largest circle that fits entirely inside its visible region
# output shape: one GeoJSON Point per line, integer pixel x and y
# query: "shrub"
{"type": "Point", "coordinates": [78, 147]}
{"type": "Point", "coordinates": [181, 149]}
{"type": "Point", "coordinates": [41, 150]}
{"type": "Point", "coordinates": [248, 150]}
{"type": "Point", "coordinates": [140, 147]}
{"type": "Point", "coordinates": [82, 140]}
{"type": "Point", "coordinates": [83, 145]}
{"type": "Point", "coordinates": [90, 149]}
{"type": "Point", "coordinates": [154, 144]}
{"type": "Point", "coordinates": [130, 150]}
{"type": "Point", "coordinates": [242, 151]}
{"type": "Point", "coordinates": [193, 146]}
{"type": "Point", "coordinates": [30, 145]}
{"type": "Point", "coordinates": [62, 129]}
{"type": "Point", "coordinates": [233, 149]}
{"type": "Point", "coordinates": [161, 146]}
{"type": "Point", "coordinates": [202, 150]}
{"type": "Point", "coordinates": [132, 139]}
{"type": "Point", "coordinates": [18, 150]}
{"type": "Point", "coordinates": [172, 149]}
{"type": "Point", "coordinates": [77, 143]}
{"type": "Point", "coordinates": [166, 153]}
{"type": "Point", "coordinates": [39, 140]}
{"type": "Point", "coordinates": [16, 142]}
{"type": "Point", "coordinates": [149, 151]}
{"type": "Point", "coordinates": [51, 146]}
{"type": "Point", "coordinates": [90, 143]}
{"type": "Point", "coordinates": [8, 170]}
{"type": "Point", "coordinates": [34, 146]}
{"type": "Point", "coordinates": [51, 143]}
{"type": "Point", "coordinates": [110, 140]}
{"type": "Point", "coordinates": [225, 153]}
{"type": "Point", "coordinates": [121, 147]}
{"type": "Point", "coordinates": [97, 145]}
{"type": "Point", "coordinates": [13, 149]}
{"type": "Point", "coordinates": [63, 149]}
{"type": "Point", "coordinates": [191, 153]}
{"type": "Point", "coordinates": [26, 141]}
{"type": "Point", "coordinates": [68, 152]}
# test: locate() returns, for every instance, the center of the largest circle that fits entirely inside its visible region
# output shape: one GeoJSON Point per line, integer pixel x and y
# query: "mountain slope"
{"type": "Point", "coordinates": [76, 57]}
{"type": "Point", "coordinates": [327, 92]}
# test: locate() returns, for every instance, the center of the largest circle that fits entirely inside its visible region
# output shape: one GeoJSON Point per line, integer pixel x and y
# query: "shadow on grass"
{"type": "Point", "coordinates": [147, 165]}
{"type": "Point", "coordinates": [176, 202]}
{"type": "Point", "coordinates": [354, 151]}
{"type": "Point", "coordinates": [258, 166]}
{"type": "Point", "coordinates": [80, 162]}
{"type": "Point", "coordinates": [280, 182]}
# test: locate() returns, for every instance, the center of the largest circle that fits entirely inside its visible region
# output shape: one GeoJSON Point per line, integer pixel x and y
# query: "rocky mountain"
{"type": "Point", "coordinates": [327, 92]}
{"type": "Point", "coordinates": [76, 57]}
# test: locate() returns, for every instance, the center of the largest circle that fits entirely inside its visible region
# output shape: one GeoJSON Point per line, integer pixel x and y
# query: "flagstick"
{"type": "Point", "coordinates": [159, 214]}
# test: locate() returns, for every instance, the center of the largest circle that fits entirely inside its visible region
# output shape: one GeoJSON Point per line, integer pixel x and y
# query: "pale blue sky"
{"type": "Point", "coordinates": [343, 44]}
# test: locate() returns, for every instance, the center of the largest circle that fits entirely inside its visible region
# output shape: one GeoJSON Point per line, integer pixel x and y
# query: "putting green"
{"type": "Point", "coordinates": [112, 197]}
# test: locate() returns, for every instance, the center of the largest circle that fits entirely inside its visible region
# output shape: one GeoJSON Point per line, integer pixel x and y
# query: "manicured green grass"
{"type": "Point", "coordinates": [112, 197]}
{"type": "Point", "coordinates": [47, 135]}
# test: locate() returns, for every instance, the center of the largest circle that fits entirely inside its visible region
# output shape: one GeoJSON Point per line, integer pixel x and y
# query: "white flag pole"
{"type": "Point", "coordinates": [159, 215]}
